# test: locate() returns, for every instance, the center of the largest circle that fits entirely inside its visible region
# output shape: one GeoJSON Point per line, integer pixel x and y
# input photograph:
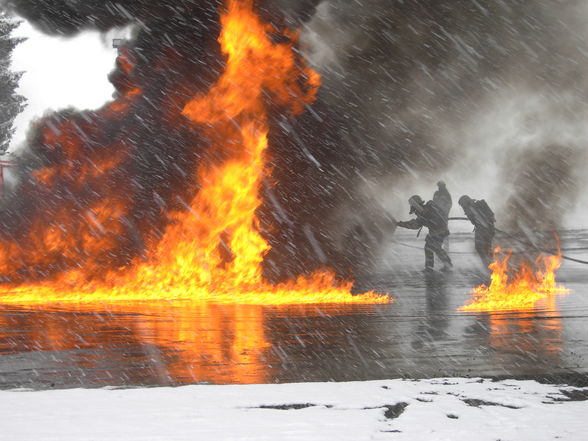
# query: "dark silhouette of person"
{"type": "Point", "coordinates": [443, 202]}
{"type": "Point", "coordinates": [442, 199]}
{"type": "Point", "coordinates": [480, 214]}
{"type": "Point", "coordinates": [427, 215]}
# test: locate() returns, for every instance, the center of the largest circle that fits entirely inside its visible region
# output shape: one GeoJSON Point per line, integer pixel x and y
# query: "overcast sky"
{"type": "Point", "coordinates": [61, 72]}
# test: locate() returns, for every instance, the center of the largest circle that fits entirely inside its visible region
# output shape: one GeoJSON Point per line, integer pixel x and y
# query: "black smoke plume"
{"type": "Point", "coordinates": [114, 173]}
{"type": "Point", "coordinates": [174, 55]}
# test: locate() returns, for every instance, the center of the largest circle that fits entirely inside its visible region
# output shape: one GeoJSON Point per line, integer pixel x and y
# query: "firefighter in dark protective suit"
{"type": "Point", "coordinates": [442, 199]}
{"type": "Point", "coordinates": [427, 215]}
{"type": "Point", "coordinates": [443, 202]}
{"type": "Point", "coordinates": [480, 214]}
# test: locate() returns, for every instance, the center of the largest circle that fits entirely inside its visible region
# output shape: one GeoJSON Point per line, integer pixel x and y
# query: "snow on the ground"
{"type": "Point", "coordinates": [438, 409]}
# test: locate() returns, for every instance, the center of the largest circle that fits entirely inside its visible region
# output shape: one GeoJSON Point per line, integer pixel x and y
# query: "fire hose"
{"type": "Point", "coordinates": [529, 244]}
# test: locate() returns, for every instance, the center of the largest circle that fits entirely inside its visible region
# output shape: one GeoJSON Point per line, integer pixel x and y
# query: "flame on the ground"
{"type": "Point", "coordinates": [518, 291]}
{"type": "Point", "coordinates": [214, 250]}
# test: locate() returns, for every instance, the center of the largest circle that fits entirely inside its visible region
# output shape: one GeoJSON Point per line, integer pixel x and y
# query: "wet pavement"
{"type": "Point", "coordinates": [421, 334]}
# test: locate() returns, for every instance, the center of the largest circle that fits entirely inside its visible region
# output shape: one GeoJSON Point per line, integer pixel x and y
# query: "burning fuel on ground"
{"type": "Point", "coordinates": [521, 288]}
{"type": "Point", "coordinates": [211, 247]}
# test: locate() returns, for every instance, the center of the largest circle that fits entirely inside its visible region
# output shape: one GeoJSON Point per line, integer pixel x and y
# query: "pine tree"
{"type": "Point", "coordinates": [11, 103]}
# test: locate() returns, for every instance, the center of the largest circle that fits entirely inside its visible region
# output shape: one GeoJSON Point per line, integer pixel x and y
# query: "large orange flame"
{"type": "Point", "coordinates": [214, 250]}
{"type": "Point", "coordinates": [520, 291]}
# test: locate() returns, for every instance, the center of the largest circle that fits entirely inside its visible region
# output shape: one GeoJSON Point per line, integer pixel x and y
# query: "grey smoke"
{"type": "Point", "coordinates": [490, 96]}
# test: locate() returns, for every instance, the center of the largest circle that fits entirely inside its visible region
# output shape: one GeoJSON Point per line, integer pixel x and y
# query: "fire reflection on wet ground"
{"type": "Point", "coordinates": [164, 343]}
{"type": "Point", "coordinates": [177, 344]}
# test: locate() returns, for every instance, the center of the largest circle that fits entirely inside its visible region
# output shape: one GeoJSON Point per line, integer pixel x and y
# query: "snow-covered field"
{"type": "Point", "coordinates": [436, 409]}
